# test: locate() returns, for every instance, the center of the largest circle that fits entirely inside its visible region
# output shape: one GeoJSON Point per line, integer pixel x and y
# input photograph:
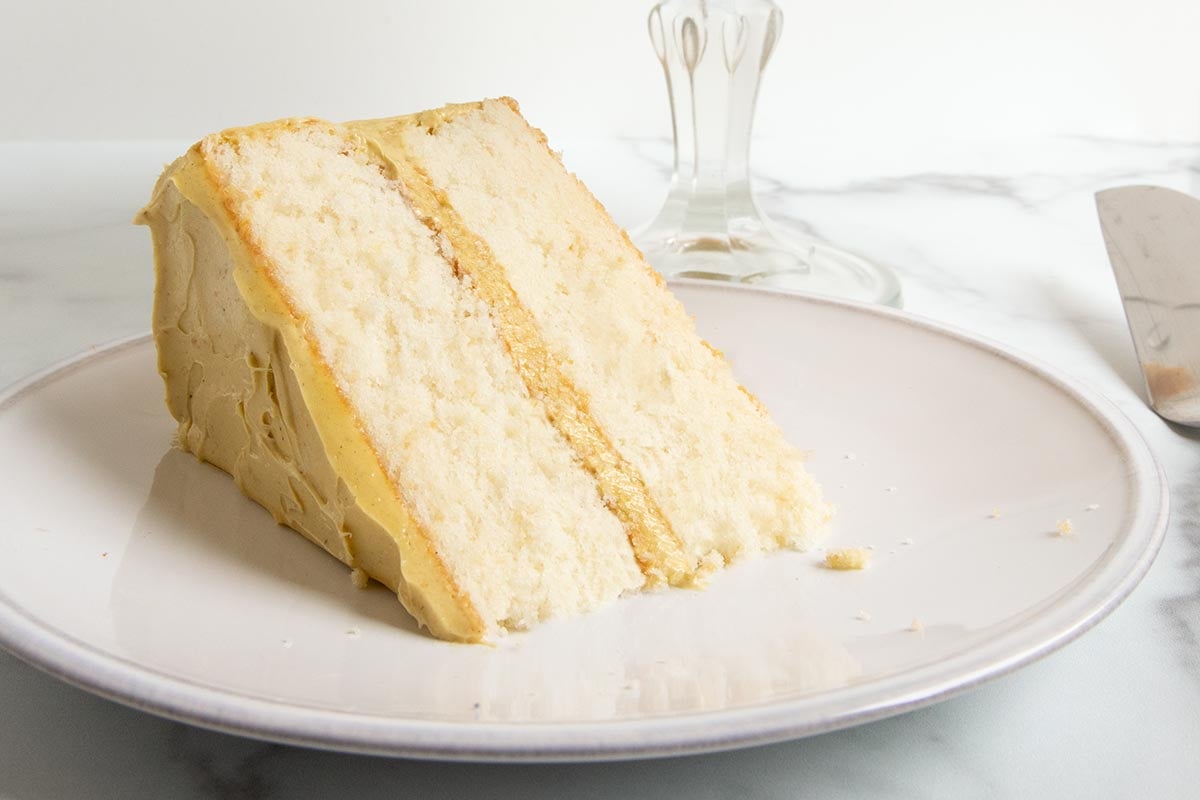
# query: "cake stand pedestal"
{"type": "Point", "coordinates": [713, 54]}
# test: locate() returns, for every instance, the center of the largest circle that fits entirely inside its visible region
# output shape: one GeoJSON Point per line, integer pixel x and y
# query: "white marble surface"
{"type": "Point", "coordinates": [999, 238]}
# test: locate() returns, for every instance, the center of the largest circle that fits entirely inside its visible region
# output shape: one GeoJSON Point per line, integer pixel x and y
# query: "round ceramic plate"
{"type": "Point", "coordinates": [134, 571]}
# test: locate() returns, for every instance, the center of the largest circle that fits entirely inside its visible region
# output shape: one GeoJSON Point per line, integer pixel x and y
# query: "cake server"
{"type": "Point", "coordinates": [1153, 240]}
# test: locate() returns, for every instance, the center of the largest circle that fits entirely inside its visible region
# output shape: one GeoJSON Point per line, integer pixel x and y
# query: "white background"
{"type": "Point", "coordinates": [871, 70]}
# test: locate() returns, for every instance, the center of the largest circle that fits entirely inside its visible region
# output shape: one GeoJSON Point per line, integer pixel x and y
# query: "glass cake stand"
{"type": "Point", "coordinates": [713, 54]}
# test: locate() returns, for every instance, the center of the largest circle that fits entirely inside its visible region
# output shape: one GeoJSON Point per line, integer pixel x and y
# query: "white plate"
{"type": "Point", "coordinates": [134, 571]}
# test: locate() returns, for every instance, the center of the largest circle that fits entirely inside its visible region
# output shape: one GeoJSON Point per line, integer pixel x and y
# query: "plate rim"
{"type": "Point", "coordinates": [1096, 594]}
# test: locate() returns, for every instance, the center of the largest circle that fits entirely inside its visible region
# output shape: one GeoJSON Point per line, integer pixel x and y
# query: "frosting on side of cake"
{"type": "Point", "coordinates": [236, 393]}
{"type": "Point", "coordinates": [229, 381]}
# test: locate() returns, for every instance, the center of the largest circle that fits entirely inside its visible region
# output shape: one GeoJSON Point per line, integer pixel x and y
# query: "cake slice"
{"type": "Point", "coordinates": [424, 345]}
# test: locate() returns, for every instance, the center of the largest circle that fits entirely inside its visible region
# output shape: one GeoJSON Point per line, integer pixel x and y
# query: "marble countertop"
{"type": "Point", "coordinates": [999, 238]}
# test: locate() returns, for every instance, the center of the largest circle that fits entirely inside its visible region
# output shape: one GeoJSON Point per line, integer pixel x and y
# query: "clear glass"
{"type": "Point", "coordinates": [713, 55]}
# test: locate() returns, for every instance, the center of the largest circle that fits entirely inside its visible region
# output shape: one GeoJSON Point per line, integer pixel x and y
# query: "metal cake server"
{"type": "Point", "coordinates": [1153, 240]}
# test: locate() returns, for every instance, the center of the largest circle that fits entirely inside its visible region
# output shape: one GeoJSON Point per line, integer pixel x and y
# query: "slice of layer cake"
{"type": "Point", "coordinates": [424, 345]}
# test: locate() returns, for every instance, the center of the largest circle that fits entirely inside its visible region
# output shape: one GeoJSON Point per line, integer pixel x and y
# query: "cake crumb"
{"type": "Point", "coordinates": [995, 514]}
{"type": "Point", "coordinates": [104, 555]}
{"type": "Point", "coordinates": [906, 541]}
{"type": "Point", "coordinates": [848, 558]}
{"type": "Point", "coordinates": [863, 615]}
{"type": "Point", "coordinates": [709, 564]}
{"type": "Point", "coordinates": [1064, 527]}
{"type": "Point", "coordinates": [287, 643]}
{"type": "Point", "coordinates": [916, 626]}
{"type": "Point", "coordinates": [1091, 507]}
{"type": "Point", "coordinates": [359, 578]}
{"type": "Point", "coordinates": [655, 579]}
{"type": "Point", "coordinates": [892, 490]}
{"type": "Point", "coordinates": [352, 633]}
{"type": "Point", "coordinates": [850, 456]}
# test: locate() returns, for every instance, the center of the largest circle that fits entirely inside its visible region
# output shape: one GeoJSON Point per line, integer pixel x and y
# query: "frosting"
{"type": "Point", "coordinates": [243, 403]}
{"type": "Point", "coordinates": [230, 384]}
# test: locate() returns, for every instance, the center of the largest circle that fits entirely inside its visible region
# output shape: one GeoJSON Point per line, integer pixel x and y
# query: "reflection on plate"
{"type": "Point", "coordinates": [137, 572]}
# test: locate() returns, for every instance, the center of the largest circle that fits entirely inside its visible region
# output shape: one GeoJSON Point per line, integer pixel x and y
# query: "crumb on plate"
{"type": "Point", "coordinates": [916, 626]}
{"type": "Point", "coordinates": [848, 558]}
{"type": "Point", "coordinates": [1064, 527]}
{"type": "Point", "coordinates": [863, 615]}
